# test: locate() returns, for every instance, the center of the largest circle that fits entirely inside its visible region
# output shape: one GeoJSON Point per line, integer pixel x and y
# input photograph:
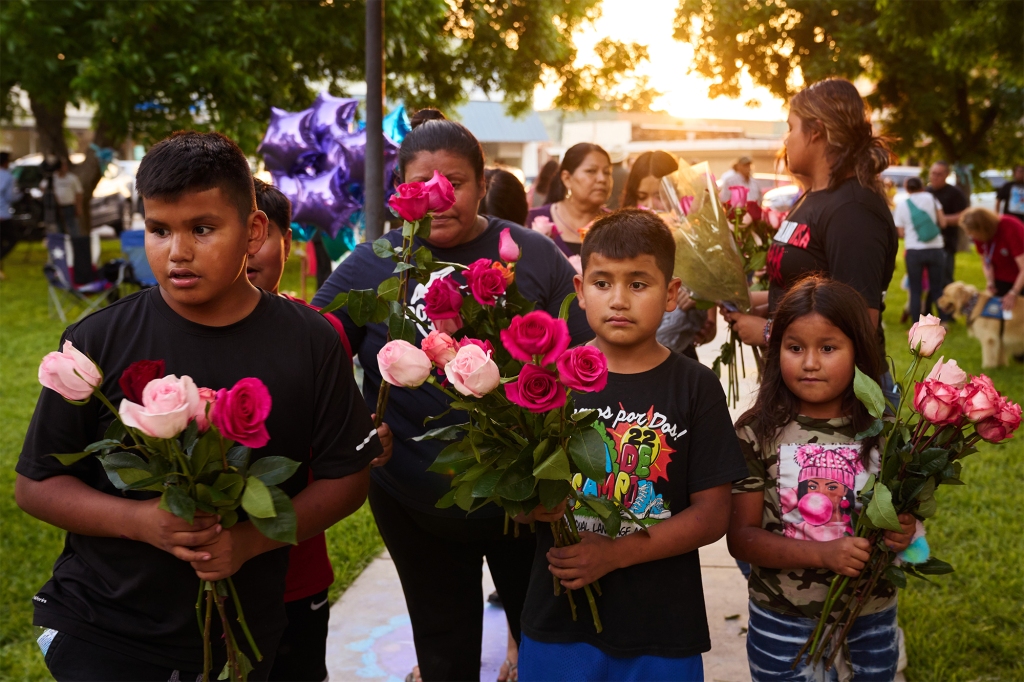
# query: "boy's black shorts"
{"type": "Point", "coordinates": [302, 653]}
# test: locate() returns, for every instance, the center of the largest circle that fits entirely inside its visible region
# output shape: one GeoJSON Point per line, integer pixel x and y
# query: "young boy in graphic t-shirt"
{"type": "Point", "coordinates": [671, 460]}
{"type": "Point", "coordinates": [121, 602]}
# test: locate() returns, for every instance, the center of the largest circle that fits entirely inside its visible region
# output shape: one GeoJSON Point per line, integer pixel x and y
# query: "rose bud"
{"type": "Point", "coordinates": [926, 335]}
{"type": "Point", "coordinates": [241, 413]}
{"type": "Point", "coordinates": [584, 369]}
{"type": "Point", "coordinates": [1002, 424]}
{"type": "Point", "coordinates": [537, 389]}
{"type": "Point", "coordinates": [168, 405]}
{"type": "Point", "coordinates": [70, 372]}
{"type": "Point", "coordinates": [936, 402]}
{"type": "Point", "coordinates": [403, 364]}
{"type": "Point", "coordinates": [979, 399]}
{"type": "Point", "coordinates": [207, 397]}
{"type": "Point", "coordinates": [508, 250]}
{"type": "Point", "coordinates": [472, 372]}
{"type": "Point", "coordinates": [439, 347]}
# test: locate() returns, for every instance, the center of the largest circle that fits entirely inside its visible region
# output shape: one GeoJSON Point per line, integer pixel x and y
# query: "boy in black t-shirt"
{"type": "Point", "coordinates": [671, 460]}
{"type": "Point", "coordinates": [120, 604]}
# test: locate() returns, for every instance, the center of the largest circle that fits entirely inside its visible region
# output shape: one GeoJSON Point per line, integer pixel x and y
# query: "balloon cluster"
{"type": "Point", "coordinates": [317, 158]}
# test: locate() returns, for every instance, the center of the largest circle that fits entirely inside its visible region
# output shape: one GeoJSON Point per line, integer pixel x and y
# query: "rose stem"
{"type": "Point", "coordinates": [241, 620]}
{"type": "Point", "coordinates": [229, 640]}
{"type": "Point", "coordinates": [113, 410]}
{"type": "Point", "coordinates": [199, 605]}
{"type": "Point", "coordinates": [506, 523]}
{"type": "Point", "coordinates": [554, 578]}
{"type": "Point", "coordinates": [207, 654]}
{"type": "Point", "coordinates": [852, 618]}
{"type": "Point", "coordinates": [572, 604]}
{"type": "Point", "coordinates": [593, 608]}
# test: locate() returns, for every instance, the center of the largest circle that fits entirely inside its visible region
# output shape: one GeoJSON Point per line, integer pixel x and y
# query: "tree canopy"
{"type": "Point", "coordinates": [948, 76]}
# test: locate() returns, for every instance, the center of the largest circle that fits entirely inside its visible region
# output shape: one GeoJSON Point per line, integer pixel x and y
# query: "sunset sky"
{"type": "Point", "coordinates": [649, 22]}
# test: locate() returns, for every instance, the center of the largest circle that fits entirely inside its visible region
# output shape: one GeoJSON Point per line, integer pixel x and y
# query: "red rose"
{"type": "Point", "coordinates": [1002, 424]}
{"type": "Point", "coordinates": [536, 333]}
{"type": "Point", "coordinates": [937, 402]}
{"type": "Point", "coordinates": [537, 389]}
{"type": "Point", "coordinates": [440, 194]}
{"type": "Point", "coordinates": [443, 301]}
{"type": "Point", "coordinates": [485, 283]}
{"type": "Point", "coordinates": [754, 211]}
{"type": "Point", "coordinates": [583, 368]}
{"type": "Point", "coordinates": [411, 201]}
{"type": "Point", "coordinates": [240, 413]}
{"type": "Point", "coordinates": [137, 375]}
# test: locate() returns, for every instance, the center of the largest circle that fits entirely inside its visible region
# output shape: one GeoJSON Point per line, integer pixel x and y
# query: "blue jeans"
{"type": "Point", "coordinates": [70, 217]}
{"type": "Point", "coordinates": [544, 662]}
{"type": "Point", "coordinates": [774, 639]}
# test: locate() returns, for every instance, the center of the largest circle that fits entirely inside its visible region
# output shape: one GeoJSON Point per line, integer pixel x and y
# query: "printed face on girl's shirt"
{"type": "Point", "coordinates": [817, 363]}
{"type": "Point", "coordinates": [457, 225]}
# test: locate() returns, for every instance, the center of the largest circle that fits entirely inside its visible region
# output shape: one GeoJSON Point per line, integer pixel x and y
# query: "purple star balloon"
{"type": "Point", "coordinates": [323, 201]}
{"type": "Point", "coordinates": [331, 116]}
{"type": "Point", "coordinates": [288, 137]}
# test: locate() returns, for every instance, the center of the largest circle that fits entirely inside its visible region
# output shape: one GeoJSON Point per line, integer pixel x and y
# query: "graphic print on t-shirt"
{"type": "Point", "coordinates": [789, 233]}
{"type": "Point", "coordinates": [818, 486]}
{"type": "Point", "coordinates": [637, 455]}
{"type": "Point", "coordinates": [417, 302]}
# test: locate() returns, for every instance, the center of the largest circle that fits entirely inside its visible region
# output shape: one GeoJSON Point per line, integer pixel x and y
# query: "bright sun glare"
{"type": "Point", "coordinates": [649, 22]}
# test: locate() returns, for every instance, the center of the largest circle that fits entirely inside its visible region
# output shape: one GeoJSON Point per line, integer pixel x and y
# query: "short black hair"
{"type": "Point", "coordinates": [275, 204]}
{"type": "Point", "coordinates": [913, 184]}
{"type": "Point", "coordinates": [4, 158]}
{"type": "Point", "coordinates": [190, 161]}
{"type": "Point", "coordinates": [630, 233]}
{"type": "Point", "coordinates": [506, 196]}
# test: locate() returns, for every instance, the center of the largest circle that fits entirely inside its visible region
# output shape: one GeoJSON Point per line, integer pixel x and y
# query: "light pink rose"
{"type": "Point", "coordinates": [543, 225]}
{"type": "Point", "coordinates": [69, 372]}
{"type": "Point", "coordinates": [948, 373]}
{"type": "Point", "coordinates": [403, 364]}
{"type": "Point", "coordinates": [508, 250]}
{"type": "Point", "coordinates": [168, 405]}
{"type": "Point", "coordinates": [936, 402]}
{"type": "Point", "coordinates": [472, 372]}
{"type": "Point", "coordinates": [927, 333]}
{"type": "Point", "coordinates": [979, 399]}
{"type": "Point", "coordinates": [738, 195]}
{"type": "Point", "coordinates": [1002, 424]}
{"type": "Point", "coordinates": [576, 263]}
{"type": "Point", "coordinates": [439, 347]}
{"type": "Point", "coordinates": [207, 397]}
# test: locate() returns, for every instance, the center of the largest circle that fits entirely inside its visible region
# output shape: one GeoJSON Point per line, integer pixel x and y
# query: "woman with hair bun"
{"type": "Point", "coordinates": [841, 227]}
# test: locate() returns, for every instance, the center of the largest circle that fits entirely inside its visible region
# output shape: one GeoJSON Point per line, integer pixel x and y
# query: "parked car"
{"type": "Point", "coordinates": [111, 202]}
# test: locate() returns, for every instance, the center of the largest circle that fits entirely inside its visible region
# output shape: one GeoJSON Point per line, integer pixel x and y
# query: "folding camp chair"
{"type": "Point", "coordinates": [73, 279]}
{"type": "Point", "coordinates": [133, 245]}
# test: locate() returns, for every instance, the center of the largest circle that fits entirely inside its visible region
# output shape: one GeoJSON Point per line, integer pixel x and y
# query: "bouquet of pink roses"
{"type": "Point", "coordinates": [191, 445]}
{"type": "Point", "coordinates": [949, 413]}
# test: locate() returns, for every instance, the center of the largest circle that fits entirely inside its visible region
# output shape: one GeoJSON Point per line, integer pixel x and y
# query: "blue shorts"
{"type": "Point", "coordinates": [543, 662]}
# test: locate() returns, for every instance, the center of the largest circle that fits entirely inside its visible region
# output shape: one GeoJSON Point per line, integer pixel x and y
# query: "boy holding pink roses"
{"type": "Point", "coordinates": [671, 459]}
{"type": "Point", "coordinates": [121, 602]}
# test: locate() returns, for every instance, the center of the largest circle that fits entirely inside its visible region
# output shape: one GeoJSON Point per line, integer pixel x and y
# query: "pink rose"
{"type": "Point", "coordinates": [411, 201]}
{"type": "Point", "coordinates": [485, 283]}
{"type": "Point", "coordinates": [583, 368]}
{"type": "Point", "coordinates": [448, 326]}
{"type": "Point", "coordinates": [70, 372]}
{"type": "Point", "coordinates": [1002, 424]}
{"type": "Point", "coordinates": [443, 301]}
{"type": "Point", "coordinates": [241, 412]}
{"type": "Point", "coordinates": [936, 402]}
{"type": "Point", "coordinates": [207, 397]}
{"type": "Point", "coordinates": [979, 399]}
{"type": "Point", "coordinates": [686, 203]}
{"type": "Point", "coordinates": [576, 263]}
{"type": "Point", "coordinates": [948, 373]}
{"type": "Point", "coordinates": [738, 195]}
{"type": "Point", "coordinates": [439, 347]}
{"type": "Point", "coordinates": [441, 195]}
{"type": "Point", "coordinates": [543, 225]}
{"type": "Point", "coordinates": [537, 389]}
{"type": "Point", "coordinates": [927, 333]}
{"type": "Point", "coordinates": [403, 364]}
{"type": "Point", "coordinates": [536, 333]}
{"type": "Point", "coordinates": [472, 372]}
{"type": "Point", "coordinates": [486, 345]}
{"type": "Point", "coordinates": [168, 405]}
{"type": "Point", "coordinates": [508, 250]}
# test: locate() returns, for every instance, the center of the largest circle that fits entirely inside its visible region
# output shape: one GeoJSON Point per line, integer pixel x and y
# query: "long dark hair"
{"type": "Point", "coordinates": [844, 307]}
{"type": "Point", "coordinates": [506, 197]}
{"type": "Point", "coordinates": [432, 132]}
{"type": "Point", "coordinates": [543, 182]}
{"type": "Point", "coordinates": [835, 109]}
{"type": "Point", "coordinates": [571, 160]}
{"type": "Point", "coordinates": [656, 164]}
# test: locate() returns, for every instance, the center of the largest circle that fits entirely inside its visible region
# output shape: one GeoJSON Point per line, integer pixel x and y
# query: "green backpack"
{"type": "Point", "coordinates": [924, 226]}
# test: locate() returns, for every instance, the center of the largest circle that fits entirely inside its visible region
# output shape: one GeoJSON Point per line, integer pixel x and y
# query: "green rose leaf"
{"type": "Point", "coordinates": [871, 431]}
{"type": "Point", "coordinates": [339, 301]}
{"type": "Point", "coordinates": [154, 483]}
{"type": "Point", "coordinates": [230, 484]}
{"type": "Point", "coordinates": [282, 525]}
{"type": "Point", "coordinates": [70, 458]}
{"type": "Point", "coordinates": [554, 468]}
{"type": "Point", "coordinates": [896, 576]}
{"type": "Point", "coordinates": [115, 431]}
{"type": "Point", "coordinates": [452, 460]}
{"type": "Point", "coordinates": [191, 435]}
{"type": "Point", "coordinates": [553, 493]}
{"type": "Point", "coordinates": [880, 510]}
{"type": "Point", "coordinates": [103, 445]}
{"type": "Point", "coordinates": [176, 501]}
{"type": "Point", "coordinates": [447, 500]}
{"type": "Point", "coordinates": [517, 482]}
{"type": "Point", "coordinates": [423, 227]}
{"type": "Point", "coordinates": [205, 450]}
{"type": "Point", "coordinates": [123, 460]}
{"type": "Point", "coordinates": [444, 433]}
{"type": "Point", "coordinates": [588, 451]}
{"type": "Point", "coordinates": [484, 486]}
{"type": "Point", "coordinates": [362, 304]}
{"type": "Point", "coordinates": [256, 499]}
{"type": "Point", "coordinates": [130, 475]}
{"type": "Point", "coordinates": [423, 257]}
{"type": "Point", "coordinates": [383, 248]}
{"type": "Point", "coordinates": [563, 311]}
{"type": "Point", "coordinates": [402, 267]}
{"type": "Point", "coordinates": [869, 393]}
{"type": "Point", "coordinates": [401, 327]}
{"type": "Point", "coordinates": [464, 496]}
{"type": "Point", "coordinates": [933, 567]}
{"type": "Point", "coordinates": [274, 470]}
{"type": "Point", "coordinates": [237, 456]}
{"type": "Point", "coordinates": [388, 289]}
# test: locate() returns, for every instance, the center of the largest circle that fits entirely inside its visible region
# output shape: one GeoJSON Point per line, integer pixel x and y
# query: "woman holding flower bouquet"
{"type": "Point", "coordinates": [439, 552]}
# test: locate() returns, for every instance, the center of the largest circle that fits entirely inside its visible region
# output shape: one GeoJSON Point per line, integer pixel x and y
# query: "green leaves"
{"type": "Point", "coordinates": [257, 500]}
{"type": "Point", "coordinates": [869, 393]}
{"type": "Point", "coordinates": [382, 247]}
{"type": "Point", "coordinates": [280, 526]}
{"type": "Point", "coordinates": [401, 327]}
{"type": "Point", "coordinates": [339, 301]}
{"type": "Point", "coordinates": [517, 482]}
{"type": "Point", "coordinates": [880, 510]}
{"type": "Point", "coordinates": [587, 449]}
{"type": "Point", "coordinates": [554, 468]}
{"type": "Point", "coordinates": [364, 307]}
{"type": "Point", "coordinates": [389, 288]}
{"type": "Point", "coordinates": [176, 501]}
{"type": "Point", "coordinates": [563, 311]}
{"type": "Point", "coordinates": [71, 457]}
{"type": "Point", "coordinates": [871, 431]}
{"type": "Point", "coordinates": [274, 470]}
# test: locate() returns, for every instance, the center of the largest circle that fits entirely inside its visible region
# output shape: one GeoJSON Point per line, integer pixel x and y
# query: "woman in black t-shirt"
{"type": "Point", "coordinates": [439, 552]}
{"type": "Point", "coordinates": [842, 226]}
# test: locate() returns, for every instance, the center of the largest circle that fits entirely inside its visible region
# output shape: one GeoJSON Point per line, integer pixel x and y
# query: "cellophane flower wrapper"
{"type": "Point", "coordinates": [707, 260]}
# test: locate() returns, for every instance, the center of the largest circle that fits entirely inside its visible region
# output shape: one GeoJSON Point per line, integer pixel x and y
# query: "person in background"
{"type": "Point", "coordinates": [1010, 197]}
{"type": "Point", "coordinates": [9, 194]}
{"type": "Point", "coordinates": [740, 175]}
{"type": "Point", "coordinates": [506, 198]}
{"type": "Point", "coordinates": [1000, 241]}
{"type": "Point", "coordinates": [685, 327]}
{"type": "Point", "coordinates": [919, 222]}
{"type": "Point", "coordinates": [953, 204]}
{"type": "Point", "coordinates": [617, 156]}
{"type": "Point", "coordinates": [576, 197]}
{"type": "Point", "coordinates": [67, 190]}
{"type": "Point", "coordinates": [537, 196]}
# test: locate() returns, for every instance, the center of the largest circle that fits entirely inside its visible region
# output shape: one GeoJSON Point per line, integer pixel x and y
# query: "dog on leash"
{"type": "Point", "coordinates": [1000, 339]}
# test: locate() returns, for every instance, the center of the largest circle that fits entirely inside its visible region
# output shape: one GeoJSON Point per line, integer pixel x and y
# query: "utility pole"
{"type": "Point", "coordinates": [373, 208]}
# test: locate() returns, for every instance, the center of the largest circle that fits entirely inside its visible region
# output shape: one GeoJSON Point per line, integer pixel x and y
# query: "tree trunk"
{"type": "Point", "coordinates": [50, 125]}
{"type": "Point", "coordinates": [89, 172]}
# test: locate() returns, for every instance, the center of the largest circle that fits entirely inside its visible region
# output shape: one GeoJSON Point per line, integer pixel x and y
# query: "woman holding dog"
{"type": "Point", "coordinates": [1000, 241]}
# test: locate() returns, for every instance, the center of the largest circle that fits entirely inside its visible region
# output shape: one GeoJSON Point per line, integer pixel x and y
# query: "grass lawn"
{"type": "Point", "coordinates": [966, 626]}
